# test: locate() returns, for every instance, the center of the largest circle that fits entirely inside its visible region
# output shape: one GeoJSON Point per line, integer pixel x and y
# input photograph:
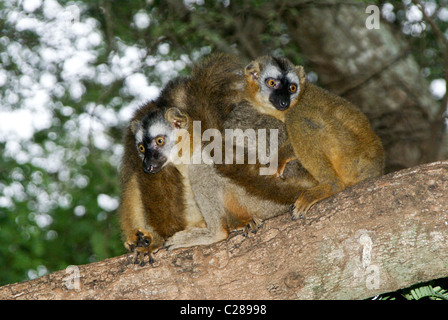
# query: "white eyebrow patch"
{"type": "Point", "coordinates": [139, 135]}
{"type": "Point", "coordinates": [292, 78]}
{"type": "Point", "coordinates": [158, 129]}
{"type": "Point", "coordinates": [271, 72]}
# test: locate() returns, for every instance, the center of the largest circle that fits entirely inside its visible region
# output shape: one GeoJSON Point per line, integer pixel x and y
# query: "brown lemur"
{"type": "Point", "coordinates": [156, 197]}
{"type": "Point", "coordinates": [331, 138]}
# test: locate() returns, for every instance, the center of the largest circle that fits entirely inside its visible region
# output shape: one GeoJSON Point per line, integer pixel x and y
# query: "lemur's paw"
{"type": "Point", "coordinates": [253, 226]}
{"type": "Point", "coordinates": [301, 206]}
{"type": "Point", "coordinates": [138, 243]}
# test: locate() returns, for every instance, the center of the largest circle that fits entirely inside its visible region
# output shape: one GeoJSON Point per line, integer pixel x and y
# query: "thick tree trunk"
{"type": "Point", "coordinates": [376, 237]}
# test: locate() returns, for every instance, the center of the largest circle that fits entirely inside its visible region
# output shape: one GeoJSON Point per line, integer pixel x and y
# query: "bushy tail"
{"type": "Point", "coordinates": [214, 87]}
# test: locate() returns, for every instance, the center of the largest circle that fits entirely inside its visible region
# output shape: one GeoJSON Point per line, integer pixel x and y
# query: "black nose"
{"type": "Point", "coordinates": [284, 104]}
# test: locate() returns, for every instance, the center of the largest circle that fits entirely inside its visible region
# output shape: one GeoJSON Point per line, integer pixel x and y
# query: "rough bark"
{"type": "Point", "coordinates": [376, 237]}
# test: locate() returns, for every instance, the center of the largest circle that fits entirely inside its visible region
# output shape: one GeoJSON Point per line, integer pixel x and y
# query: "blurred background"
{"type": "Point", "coordinates": [73, 72]}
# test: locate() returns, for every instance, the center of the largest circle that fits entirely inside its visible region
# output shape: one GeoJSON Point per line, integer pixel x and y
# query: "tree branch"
{"type": "Point", "coordinates": [376, 237]}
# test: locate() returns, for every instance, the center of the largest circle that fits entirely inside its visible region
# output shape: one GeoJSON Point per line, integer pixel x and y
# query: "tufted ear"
{"type": "Point", "coordinates": [252, 70]}
{"type": "Point", "coordinates": [135, 125]}
{"type": "Point", "coordinates": [177, 118]}
{"type": "Point", "coordinates": [301, 74]}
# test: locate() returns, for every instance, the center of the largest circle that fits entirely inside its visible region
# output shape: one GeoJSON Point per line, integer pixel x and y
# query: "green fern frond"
{"type": "Point", "coordinates": [417, 293]}
{"type": "Point", "coordinates": [441, 294]}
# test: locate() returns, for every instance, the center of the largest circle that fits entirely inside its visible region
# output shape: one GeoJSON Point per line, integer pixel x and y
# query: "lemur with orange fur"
{"type": "Point", "coordinates": [331, 138]}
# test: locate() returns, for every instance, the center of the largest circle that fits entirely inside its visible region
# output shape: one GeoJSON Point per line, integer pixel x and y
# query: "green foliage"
{"type": "Point", "coordinates": [433, 290]}
{"type": "Point", "coordinates": [417, 293]}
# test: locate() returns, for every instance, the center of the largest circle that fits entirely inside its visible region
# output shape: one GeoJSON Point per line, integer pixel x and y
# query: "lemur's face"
{"type": "Point", "coordinates": [155, 139]}
{"type": "Point", "coordinates": [278, 82]}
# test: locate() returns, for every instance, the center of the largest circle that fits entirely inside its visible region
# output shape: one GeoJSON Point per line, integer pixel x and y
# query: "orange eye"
{"type": "Point", "coordinates": [160, 141]}
{"type": "Point", "coordinates": [141, 148]}
{"type": "Point", "coordinates": [271, 82]}
{"type": "Point", "coordinates": [292, 88]}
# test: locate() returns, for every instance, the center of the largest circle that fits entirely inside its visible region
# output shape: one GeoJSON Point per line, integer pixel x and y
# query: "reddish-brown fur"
{"type": "Point", "coordinates": [153, 206]}
{"type": "Point", "coordinates": [330, 137]}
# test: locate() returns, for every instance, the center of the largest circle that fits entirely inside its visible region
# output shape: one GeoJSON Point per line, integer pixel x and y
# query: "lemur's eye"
{"type": "Point", "coordinates": [160, 141]}
{"type": "Point", "coordinates": [292, 88]}
{"type": "Point", "coordinates": [271, 82]}
{"type": "Point", "coordinates": [141, 148]}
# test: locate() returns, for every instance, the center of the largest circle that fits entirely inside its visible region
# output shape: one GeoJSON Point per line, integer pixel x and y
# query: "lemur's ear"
{"type": "Point", "coordinates": [135, 125]}
{"type": "Point", "coordinates": [301, 74]}
{"type": "Point", "coordinates": [177, 118]}
{"type": "Point", "coordinates": [253, 70]}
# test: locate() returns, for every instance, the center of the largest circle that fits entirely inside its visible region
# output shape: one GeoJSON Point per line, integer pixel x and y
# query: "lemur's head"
{"type": "Point", "coordinates": [156, 135]}
{"type": "Point", "coordinates": [274, 82]}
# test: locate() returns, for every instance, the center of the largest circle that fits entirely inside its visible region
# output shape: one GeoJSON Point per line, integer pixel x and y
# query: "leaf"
{"type": "Point", "coordinates": [425, 291]}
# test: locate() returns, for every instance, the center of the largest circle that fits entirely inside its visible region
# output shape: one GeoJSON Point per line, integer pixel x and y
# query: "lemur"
{"type": "Point", "coordinates": [331, 138]}
{"type": "Point", "coordinates": [156, 197]}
